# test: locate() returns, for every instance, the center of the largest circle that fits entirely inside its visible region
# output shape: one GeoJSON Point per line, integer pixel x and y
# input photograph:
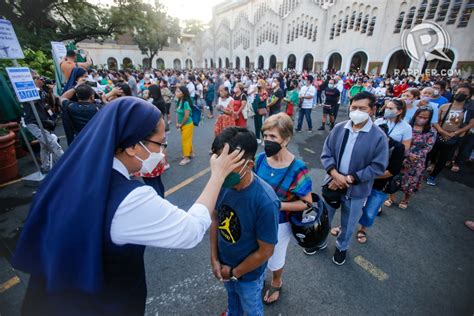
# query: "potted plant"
{"type": "Point", "coordinates": [8, 162]}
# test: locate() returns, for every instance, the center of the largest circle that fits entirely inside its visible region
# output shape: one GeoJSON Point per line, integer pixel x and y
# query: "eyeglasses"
{"type": "Point", "coordinates": [164, 145]}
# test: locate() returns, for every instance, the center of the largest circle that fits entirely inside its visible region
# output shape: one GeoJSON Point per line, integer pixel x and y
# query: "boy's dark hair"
{"type": "Point", "coordinates": [441, 83]}
{"type": "Point", "coordinates": [364, 95]}
{"type": "Point", "coordinates": [236, 137]}
{"type": "Point", "coordinates": [70, 53]}
{"type": "Point", "coordinates": [84, 92]}
{"type": "Point", "coordinates": [125, 88]}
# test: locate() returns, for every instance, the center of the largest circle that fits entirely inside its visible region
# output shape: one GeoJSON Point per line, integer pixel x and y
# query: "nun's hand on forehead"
{"type": "Point", "coordinates": [225, 163]}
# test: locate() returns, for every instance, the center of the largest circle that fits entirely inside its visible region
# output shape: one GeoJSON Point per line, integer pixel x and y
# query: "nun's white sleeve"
{"type": "Point", "coordinates": [144, 218]}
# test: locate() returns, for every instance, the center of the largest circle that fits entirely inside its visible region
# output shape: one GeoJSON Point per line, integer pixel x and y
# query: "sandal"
{"type": "Point", "coordinates": [403, 205]}
{"type": "Point", "coordinates": [388, 202]}
{"type": "Point", "coordinates": [455, 168]}
{"type": "Point", "coordinates": [185, 162]}
{"type": "Point", "coordinates": [361, 237]}
{"type": "Point", "coordinates": [335, 231]}
{"type": "Point", "coordinates": [270, 291]}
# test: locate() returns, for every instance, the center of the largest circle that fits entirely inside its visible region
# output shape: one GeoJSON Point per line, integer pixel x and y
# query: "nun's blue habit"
{"type": "Point", "coordinates": [65, 245]}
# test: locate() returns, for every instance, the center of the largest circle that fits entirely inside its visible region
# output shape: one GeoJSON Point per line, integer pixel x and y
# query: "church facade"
{"type": "Point", "coordinates": [369, 35]}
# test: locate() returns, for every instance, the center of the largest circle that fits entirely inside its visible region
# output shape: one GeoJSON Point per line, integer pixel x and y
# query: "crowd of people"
{"type": "Point", "coordinates": [400, 132]}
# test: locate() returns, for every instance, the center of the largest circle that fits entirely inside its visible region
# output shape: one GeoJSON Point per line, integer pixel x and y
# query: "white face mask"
{"type": "Point", "coordinates": [149, 164]}
{"type": "Point", "coordinates": [358, 116]}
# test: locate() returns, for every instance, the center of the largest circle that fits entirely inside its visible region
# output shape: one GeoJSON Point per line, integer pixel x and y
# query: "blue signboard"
{"type": "Point", "coordinates": [23, 83]}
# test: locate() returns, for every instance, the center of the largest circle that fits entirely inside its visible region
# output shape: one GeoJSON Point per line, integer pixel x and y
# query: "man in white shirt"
{"type": "Point", "coordinates": [306, 94]}
{"type": "Point", "coordinates": [190, 86]}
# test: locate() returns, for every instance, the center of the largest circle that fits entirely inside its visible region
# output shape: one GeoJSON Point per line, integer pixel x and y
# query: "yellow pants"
{"type": "Point", "coordinates": [187, 139]}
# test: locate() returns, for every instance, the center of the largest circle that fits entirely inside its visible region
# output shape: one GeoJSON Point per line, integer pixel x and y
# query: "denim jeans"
{"type": "Point", "coordinates": [371, 208]}
{"type": "Point", "coordinates": [315, 98]}
{"type": "Point", "coordinates": [344, 97]}
{"type": "Point", "coordinates": [301, 115]}
{"type": "Point", "coordinates": [351, 210]}
{"type": "Point", "coordinates": [245, 297]}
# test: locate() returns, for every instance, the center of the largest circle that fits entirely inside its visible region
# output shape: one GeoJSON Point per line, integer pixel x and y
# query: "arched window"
{"type": "Point", "coordinates": [358, 22]}
{"type": "Point", "coordinates": [409, 20]}
{"type": "Point", "coordinates": [346, 21]}
{"type": "Point", "coordinates": [364, 24]}
{"type": "Point", "coordinates": [432, 9]}
{"type": "Point", "coordinates": [353, 17]}
{"type": "Point", "coordinates": [399, 22]}
{"type": "Point", "coordinates": [453, 14]}
{"type": "Point", "coordinates": [371, 26]}
{"type": "Point", "coordinates": [421, 11]}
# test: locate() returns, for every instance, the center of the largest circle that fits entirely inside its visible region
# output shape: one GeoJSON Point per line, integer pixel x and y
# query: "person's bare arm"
{"type": "Point", "coordinates": [215, 263]}
{"type": "Point", "coordinates": [297, 206]}
{"type": "Point", "coordinates": [253, 261]}
{"type": "Point", "coordinates": [67, 95]}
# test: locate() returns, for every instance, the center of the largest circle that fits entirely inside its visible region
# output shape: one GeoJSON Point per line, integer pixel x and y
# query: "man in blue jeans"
{"type": "Point", "coordinates": [306, 93]}
{"type": "Point", "coordinates": [378, 194]}
{"type": "Point", "coordinates": [354, 154]}
{"type": "Point", "coordinates": [244, 227]}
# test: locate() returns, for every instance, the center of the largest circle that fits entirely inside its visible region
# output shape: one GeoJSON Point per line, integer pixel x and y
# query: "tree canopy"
{"type": "Point", "coordinates": [38, 22]}
{"type": "Point", "coordinates": [152, 33]}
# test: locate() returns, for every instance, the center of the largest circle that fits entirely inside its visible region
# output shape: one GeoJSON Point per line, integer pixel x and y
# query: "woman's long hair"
{"type": "Point", "coordinates": [186, 96]}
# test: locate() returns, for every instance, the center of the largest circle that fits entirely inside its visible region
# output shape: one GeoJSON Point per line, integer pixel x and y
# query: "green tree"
{"type": "Point", "coordinates": [37, 22]}
{"type": "Point", "coordinates": [152, 32]}
{"type": "Point", "coordinates": [194, 26]}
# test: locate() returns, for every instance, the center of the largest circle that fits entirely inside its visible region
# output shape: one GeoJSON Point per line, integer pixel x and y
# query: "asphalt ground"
{"type": "Point", "coordinates": [418, 261]}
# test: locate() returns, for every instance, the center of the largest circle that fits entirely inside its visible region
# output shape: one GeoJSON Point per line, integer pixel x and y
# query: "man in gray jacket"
{"type": "Point", "coordinates": [354, 154]}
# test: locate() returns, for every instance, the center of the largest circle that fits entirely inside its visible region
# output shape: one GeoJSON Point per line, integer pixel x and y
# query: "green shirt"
{"type": "Point", "coordinates": [180, 110]}
{"type": "Point", "coordinates": [293, 96]}
{"type": "Point", "coordinates": [355, 89]}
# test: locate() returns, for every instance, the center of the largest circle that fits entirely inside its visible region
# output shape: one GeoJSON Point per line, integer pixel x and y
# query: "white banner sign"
{"type": "Point", "coordinates": [59, 50]}
{"type": "Point", "coordinates": [23, 83]}
{"type": "Point", "coordinates": [9, 46]}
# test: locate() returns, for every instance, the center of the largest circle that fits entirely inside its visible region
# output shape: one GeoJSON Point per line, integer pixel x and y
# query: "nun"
{"type": "Point", "coordinates": [89, 223]}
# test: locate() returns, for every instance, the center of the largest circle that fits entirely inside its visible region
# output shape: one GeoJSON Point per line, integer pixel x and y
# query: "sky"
{"type": "Point", "coordinates": [182, 9]}
{"type": "Point", "coordinates": [191, 9]}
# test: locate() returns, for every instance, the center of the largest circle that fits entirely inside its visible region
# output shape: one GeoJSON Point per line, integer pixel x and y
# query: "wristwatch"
{"type": "Point", "coordinates": [233, 278]}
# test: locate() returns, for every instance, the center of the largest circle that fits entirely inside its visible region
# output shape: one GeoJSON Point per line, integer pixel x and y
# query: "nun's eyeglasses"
{"type": "Point", "coordinates": [164, 145]}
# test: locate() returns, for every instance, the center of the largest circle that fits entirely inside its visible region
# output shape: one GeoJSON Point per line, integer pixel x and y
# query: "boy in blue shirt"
{"type": "Point", "coordinates": [244, 227]}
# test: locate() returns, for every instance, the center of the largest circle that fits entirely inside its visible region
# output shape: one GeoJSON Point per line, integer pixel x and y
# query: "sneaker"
{"type": "Point", "coordinates": [431, 181]}
{"type": "Point", "coordinates": [321, 128]}
{"type": "Point", "coordinates": [310, 131]}
{"type": "Point", "coordinates": [297, 130]}
{"type": "Point", "coordinates": [339, 257]}
{"type": "Point", "coordinates": [315, 250]}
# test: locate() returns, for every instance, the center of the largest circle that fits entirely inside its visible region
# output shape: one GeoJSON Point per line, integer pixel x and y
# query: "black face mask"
{"type": "Point", "coordinates": [271, 148]}
{"type": "Point", "coordinates": [460, 97]}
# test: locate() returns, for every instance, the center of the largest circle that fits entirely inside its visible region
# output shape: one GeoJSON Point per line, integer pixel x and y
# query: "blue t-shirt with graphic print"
{"type": "Point", "coordinates": [244, 217]}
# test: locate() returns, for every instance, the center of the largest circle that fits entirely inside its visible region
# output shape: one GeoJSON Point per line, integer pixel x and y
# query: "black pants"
{"type": "Point", "coordinates": [440, 155]}
{"type": "Point", "coordinates": [156, 184]}
{"type": "Point", "coordinates": [209, 104]}
{"type": "Point", "coordinates": [465, 149]}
